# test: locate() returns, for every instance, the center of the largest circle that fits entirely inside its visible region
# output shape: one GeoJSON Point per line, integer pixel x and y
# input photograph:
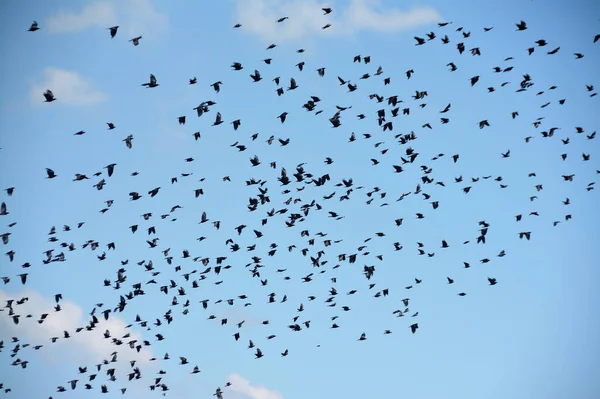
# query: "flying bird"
{"type": "Point", "coordinates": [49, 96]}
{"type": "Point", "coordinates": [152, 82]}
{"type": "Point", "coordinates": [136, 40]}
{"type": "Point", "coordinates": [113, 31]}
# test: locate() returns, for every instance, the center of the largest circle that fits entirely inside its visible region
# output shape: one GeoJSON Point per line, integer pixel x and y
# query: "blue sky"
{"type": "Point", "coordinates": [532, 335]}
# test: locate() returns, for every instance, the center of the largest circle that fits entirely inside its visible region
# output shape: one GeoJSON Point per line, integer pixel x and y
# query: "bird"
{"type": "Point", "coordinates": [135, 40]}
{"type": "Point", "coordinates": [49, 96]}
{"type": "Point", "coordinates": [152, 82]}
{"type": "Point", "coordinates": [256, 76]}
{"type": "Point", "coordinates": [113, 31]}
{"type": "Point", "coordinates": [50, 173]}
{"type": "Point", "coordinates": [34, 26]}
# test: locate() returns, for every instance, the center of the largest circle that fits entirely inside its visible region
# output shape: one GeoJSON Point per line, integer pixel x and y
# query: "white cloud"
{"type": "Point", "coordinates": [306, 18]}
{"type": "Point", "coordinates": [134, 17]}
{"type": "Point", "coordinates": [68, 87]}
{"type": "Point", "coordinates": [246, 390]}
{"type": "Point", "coordinates": [99, 14]}
{"type": "Point", "coordinates": [82, 347]}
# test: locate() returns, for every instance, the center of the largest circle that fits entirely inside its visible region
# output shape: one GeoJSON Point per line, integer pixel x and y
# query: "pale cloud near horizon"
{"type": "Point", "coordinates": [134, 17]}
{"type": "Point", "coordinates": [307, 19]}
{"type": "Point", "coordinates": [68, 87]}
{"type": "Point", "coordinates": [81, 347]}
{"type": "Point", "coordinates": [243, 389]}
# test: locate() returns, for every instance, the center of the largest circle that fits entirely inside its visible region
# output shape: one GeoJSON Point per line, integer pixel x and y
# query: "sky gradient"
{"type": "Point", "coordinates": [532, 335]}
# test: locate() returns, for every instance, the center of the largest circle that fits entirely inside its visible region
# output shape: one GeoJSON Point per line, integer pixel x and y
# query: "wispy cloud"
{"type": "Point", "coordinates": [307, 19]}
{"type": "Point", "coordinates": [99, 14]}
{"type": "Point", "coordinates": [245, 390]}
{"type": "Point", "coordinates": [135, 17]}
{"type": "Point", "coordinates": [69, 88]}
{"type": "Point", "coordinates": [85, 346]}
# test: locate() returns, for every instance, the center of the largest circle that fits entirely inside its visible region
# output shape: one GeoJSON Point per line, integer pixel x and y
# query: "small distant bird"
{"type": "Point", "coordinates": [49, 96]}
{"type": "Point", "coordinates": [50, 173]}
{"type": "Point", "coordinates": [521, 25]}
{"type": "Point", "coordinates": [113, 31]}
{"type": "Point", "coordinates": [135, 40]}
{"type": "Point", "coordinates": [256, 76]}
{"type": "Point", "coordinates": [33, 27]}
{"type": "Point", "coordinates": [152, 82]}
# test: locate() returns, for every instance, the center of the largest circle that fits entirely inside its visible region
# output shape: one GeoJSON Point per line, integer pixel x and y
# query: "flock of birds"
{"type": "Point", "coordinates": [293, 213]}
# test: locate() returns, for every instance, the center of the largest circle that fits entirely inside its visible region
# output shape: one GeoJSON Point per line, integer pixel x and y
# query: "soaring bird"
{"type": "Point", "coordinates": [521, 25]}
{"type": "Point", "coordinates": [113, 32]}
{"type": "Point", "coordinates": [49, 96]}
{"type": "Point", "coordinates": [152, 82]}
{"type": "Point", "coordinates": [135, 40]}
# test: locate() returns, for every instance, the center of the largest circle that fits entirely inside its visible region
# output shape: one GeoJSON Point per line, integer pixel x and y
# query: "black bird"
{"type": "Point", "coordinates": [113, 31]}
{"type": "Point", "coordinates": [136, 40]}
{"type": "Point", "coordinates": [50, 173]}
{"type": "Point", "coordinates": [110, 169]}
{"type": "Point", "coordinates": [217, 86]}
{"type": "Point", "coordinates": [33, 27]}
{"type": "Point", "coordinates": [49, 96]}
{"type": "Point", "coordinates": [218, 119]}
{"type": "Point", "coordinates": [152, 82]}
{"type": "Point", "coordinates": [256, 77]}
